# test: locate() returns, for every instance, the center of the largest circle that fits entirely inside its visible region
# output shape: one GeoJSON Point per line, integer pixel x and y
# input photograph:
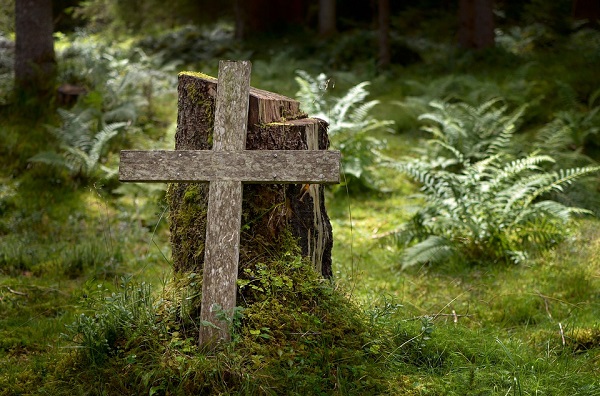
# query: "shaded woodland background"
{"type": "Point", "coordinates": [466, 257]}
{"type": "Point", "coordinates": [473, 27]}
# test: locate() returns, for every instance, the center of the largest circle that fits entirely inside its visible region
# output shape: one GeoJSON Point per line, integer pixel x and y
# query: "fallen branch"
{"type": "Point", "coordinates": [454, 315]}
{"type": "Point", "coordinates": [18, 293]}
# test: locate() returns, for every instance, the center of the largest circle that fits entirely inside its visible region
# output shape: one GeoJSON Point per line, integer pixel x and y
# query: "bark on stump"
{"type": "Point", "coordinates": [270, 212]}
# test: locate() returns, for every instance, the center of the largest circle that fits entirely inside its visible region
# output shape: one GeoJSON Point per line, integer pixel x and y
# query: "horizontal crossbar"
{"type": "Point", "coordinates": [250, 166]}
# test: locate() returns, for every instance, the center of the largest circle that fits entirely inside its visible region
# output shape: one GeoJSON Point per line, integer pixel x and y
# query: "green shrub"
{"type": "Point", "coordinates": [123, 84]}
{"type": "Point", "coordinates": [123, 87]}
{"type": "Point", "coordinates": [190, 43]}
{"type": "Point", "coordinates": [481, 202]}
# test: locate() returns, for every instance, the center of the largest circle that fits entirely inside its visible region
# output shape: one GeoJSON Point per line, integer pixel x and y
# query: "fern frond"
{"type": "Point", "coordinates": [554, 136]}
{"type": "Point", "coordinates": [458, 156]}
{"type": "Point", "coordinates": [109, 173]}
{"type": "Point", "coordinates": [54, 159]}
{"type": "Point", "coordinates": [487, 108]}
{"type": "Point", "coordinates": [311, 92]}
{"type": "Point", "coordinates": [518, 194]}
{"type": "Point", "coordinates": [558, 210]}
{"type": "Point", "coordinates": [126, 112]}
{"type": "Point", "coordinates": [561, 178]}
{"type": "Point", "coordinates": [479, 199]}
{"type": "Point", "coordinates": [355, 95]}
{"type": "Point", "coordinates": [78, 158]}
{"type": "Point", "coordinates": [514, 169]}
{"type": "Point", "coordinates": [373, 124]}
{"type": "Point", "coordinates": [76, 128]}
{"type": "Point", "coordinates": [349, 123]}
{"type": "Point", "coordinates": [100, 140]}
{"type": "Point", "coordinates": [361, 112]}
{"type": "Point", "coordinates": [434, 249]}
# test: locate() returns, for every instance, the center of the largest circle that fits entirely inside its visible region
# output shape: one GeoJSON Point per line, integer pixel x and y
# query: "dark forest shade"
{"type": "Point", "coordinates": [327, 18]}
{"type": "Point", "coordinates": [35, 63]}
{"type": "Point", "coordinates": [586, 9]}
{"type": "Point", "coordinates": [385, 52]}
{"type": "Point", "coordinates": [476, 24]}
{"type": "Point", "coordinates": [266, 16]}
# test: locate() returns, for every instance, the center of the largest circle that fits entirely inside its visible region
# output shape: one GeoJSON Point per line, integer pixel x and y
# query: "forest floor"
{"type": "Point", "coordinates": [71, 247]}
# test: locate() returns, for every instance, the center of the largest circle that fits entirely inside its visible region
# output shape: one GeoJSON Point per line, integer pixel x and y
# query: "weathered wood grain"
{"type": "Point", "coordinates": [273, 166]}
{"type": "Point", "coordinates": [221, 256]}
{"type": "Point", "coordinates": [264, 106]}
{"type": "Point", "coordinates": [224, 205]}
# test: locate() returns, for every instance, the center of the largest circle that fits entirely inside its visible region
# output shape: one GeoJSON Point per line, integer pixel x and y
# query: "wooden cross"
{"type": "Point", "coordinates": [226, 167]}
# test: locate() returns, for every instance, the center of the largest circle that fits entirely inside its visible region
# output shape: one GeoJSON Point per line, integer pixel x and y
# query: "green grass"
{"type": "Point", "coordinates": [489, 323]}
{"type": "Point", "coordinates": [66, 247]}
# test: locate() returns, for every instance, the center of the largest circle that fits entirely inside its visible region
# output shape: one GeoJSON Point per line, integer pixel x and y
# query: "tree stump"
{"type": "Point", "coordinates": [67, 94]}
{"type": "Point", "coordinates": [270, 213]}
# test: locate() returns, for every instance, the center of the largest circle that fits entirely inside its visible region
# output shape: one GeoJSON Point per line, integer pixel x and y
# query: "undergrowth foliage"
{"type": "Point", "coordinates": [350, 125]}
{"type": "Point", "coordinates": [294, 334]}
{"type": "Point", "coordinates": [114, 323]}
{"type": "Point", "coordinates": [481, 201]}
{"type": "Point", "coordinates": [122, 88]}
{"type": "Point", "coordinates": [82, 142]}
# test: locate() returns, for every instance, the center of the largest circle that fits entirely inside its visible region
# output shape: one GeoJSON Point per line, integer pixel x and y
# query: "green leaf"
{"type": "Point", "coordinates": [434, 249]}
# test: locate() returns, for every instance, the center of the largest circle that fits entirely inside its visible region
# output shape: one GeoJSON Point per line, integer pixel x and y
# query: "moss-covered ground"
{"type": "Point", "coordinates": [88, 304]}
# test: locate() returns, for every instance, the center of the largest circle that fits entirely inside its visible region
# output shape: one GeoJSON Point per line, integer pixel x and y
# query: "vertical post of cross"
{"type": "Point", "coordinates": [222, 243]}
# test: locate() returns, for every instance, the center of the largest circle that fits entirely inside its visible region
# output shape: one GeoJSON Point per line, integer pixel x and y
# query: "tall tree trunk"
{"type": "Point", "coordinates": [476, 24]}
{"type": "Point", "coordinates": [240, 19]}
{"type": "Point", "coordinates": [586, 9]}
{"type": "Point", "coordinates": [263, 16]}
{"type": "Point", "coordinates": [35, 63]}
{"type": "Point", "coordinates": [327, 18]}
{"type": "Point", "coordinates": [385, 50]}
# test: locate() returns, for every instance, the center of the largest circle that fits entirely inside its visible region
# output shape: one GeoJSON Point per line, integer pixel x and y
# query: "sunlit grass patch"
{"type": "Point", "coordinates": [492, 329]}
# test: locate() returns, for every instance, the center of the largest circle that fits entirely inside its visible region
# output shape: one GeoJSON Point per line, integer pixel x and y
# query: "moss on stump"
{"type": "Point", "coordinates": [270, 212]}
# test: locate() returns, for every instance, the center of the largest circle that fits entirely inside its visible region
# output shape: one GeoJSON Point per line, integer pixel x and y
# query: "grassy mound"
{"type": "Point", "coordinates": [293, 333]}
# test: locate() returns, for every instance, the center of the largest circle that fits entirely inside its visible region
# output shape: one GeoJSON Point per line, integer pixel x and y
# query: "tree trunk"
{"type": "Point", "coordinates": [267, 16]}
{"type": "Point", "coordinates": [271, 213]}
{"type": "Point", "coordinates": [327, 18]}
{"type": "Point", "coordinates": [385, 50]}
{"type": "Point", "coordinates": [476, 24]}
{"type": "Point", "coordinates": [586, 10]}
{"type": "Point", "coordinates": [34, 51]}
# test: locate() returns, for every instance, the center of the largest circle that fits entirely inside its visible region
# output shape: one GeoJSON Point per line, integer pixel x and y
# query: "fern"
{"type": "Point", "coordinates": [567, 138]}
{"type": "Point", "coordinates": [474, 132]}
{"type": "Point", "coordinates": [482, 202]}
{"type": "Point", "coordinates": [122, 85]}
{"type": "Point", "coordinates": [350, 125]}
{"type": "Point", "coordinates": [81, 145]}
{"type": "Point", "coordinates": [434, 248]}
